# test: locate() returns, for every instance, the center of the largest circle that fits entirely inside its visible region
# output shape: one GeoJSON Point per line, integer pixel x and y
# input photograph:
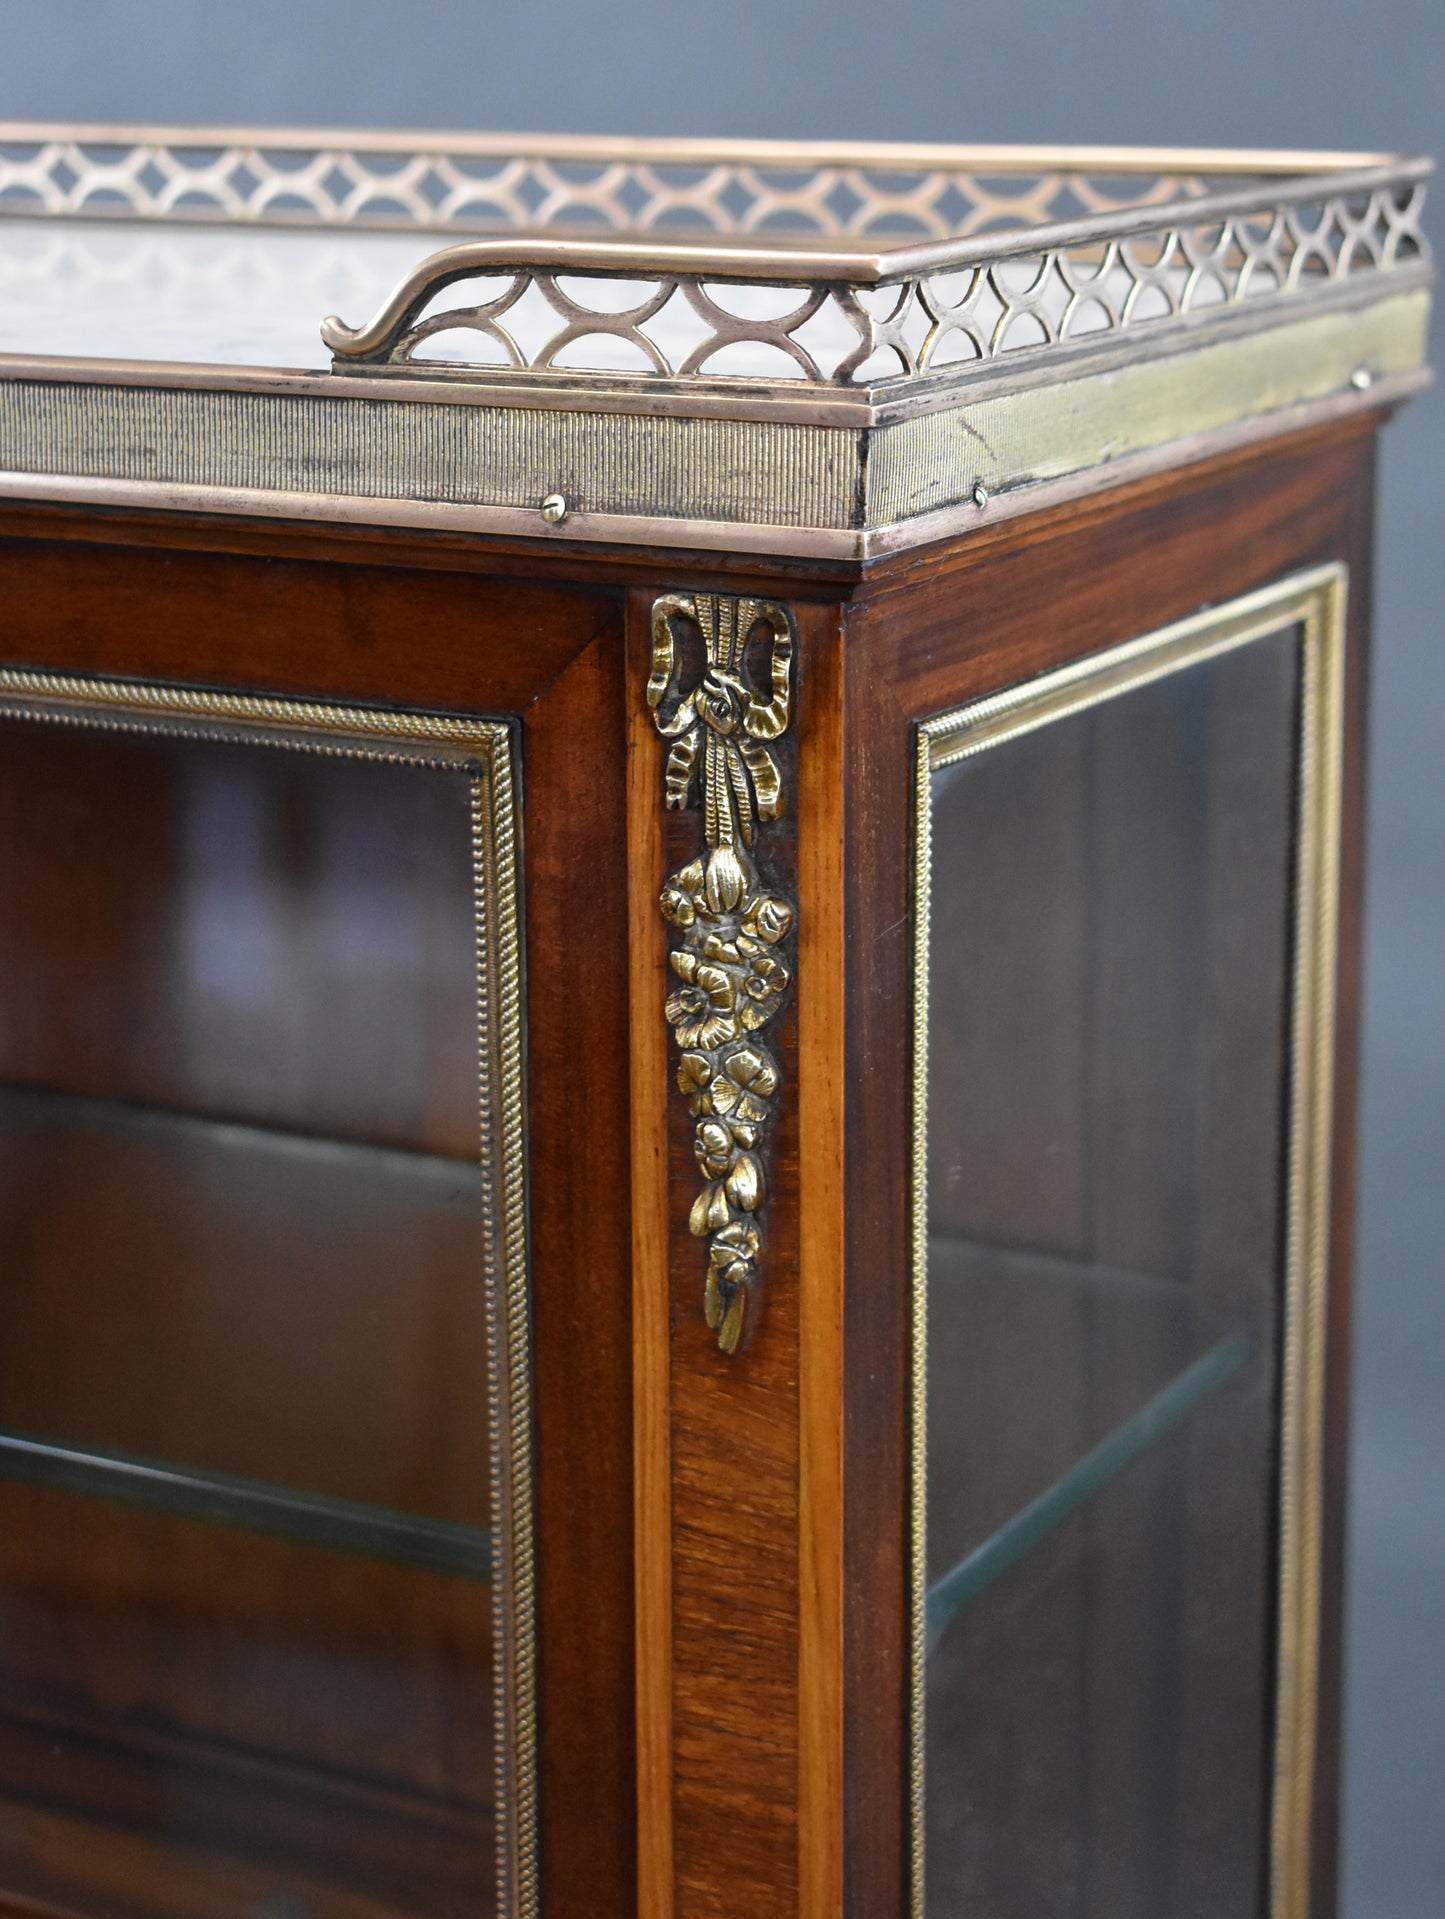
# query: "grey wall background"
{"type": "Point", "coordinates": [1323, 73]}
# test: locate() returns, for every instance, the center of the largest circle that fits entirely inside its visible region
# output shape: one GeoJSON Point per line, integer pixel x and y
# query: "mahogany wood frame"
{"type": "Point", "coordinates": [722, 1542]}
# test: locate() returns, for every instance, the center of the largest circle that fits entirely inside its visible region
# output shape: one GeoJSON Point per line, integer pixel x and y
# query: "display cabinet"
{"type": "Point", "coordinates": [679, 937]}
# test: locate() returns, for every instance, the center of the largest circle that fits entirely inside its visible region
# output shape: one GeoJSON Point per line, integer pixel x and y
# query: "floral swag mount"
{"type": "Point", "coordinates": [732, 966]}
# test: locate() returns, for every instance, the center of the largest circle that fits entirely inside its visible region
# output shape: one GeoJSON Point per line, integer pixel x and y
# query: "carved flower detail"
{"type": "Point", "coordinates": [703, 1008]}
{"type": "Point", "coordinates": [747, 1079]}
{"type": "Point", "coordinates": [710, 1210]}
{"type": "Point", "coordinates": [744, 1183]}
{"type": "Point", "coordinates": [732, 1257]}
{"type": "Point", "coordinates": [735, 1179]}
{"type": "Point", "coordinates": [736, 1245]}
{"type": "Point", "coordinates": [694, 1078]}
{"type": "Point", "coordinates": [726, 952]}
{"type": "Point", "coordinates": [763, 987]}
{"type": "Point", "coordinates": [683, 896]}
{"type": "Point", "coordinates": [714, 1148]}
{"type": "Point", "coordinates": [767, 918]}
{"type": "Point", "coordinates": [738, 1091]}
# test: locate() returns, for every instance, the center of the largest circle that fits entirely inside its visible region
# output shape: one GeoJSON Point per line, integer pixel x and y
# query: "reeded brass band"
{"type": "Point", "coordinates": [764, 483]}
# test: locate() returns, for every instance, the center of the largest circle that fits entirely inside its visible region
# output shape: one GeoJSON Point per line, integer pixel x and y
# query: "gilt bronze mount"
{"type": "Point", "coordinates": [732, 966]}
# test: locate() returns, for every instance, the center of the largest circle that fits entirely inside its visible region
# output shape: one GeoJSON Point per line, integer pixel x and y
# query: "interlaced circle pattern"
{"type": "Point", "coordinates": [478, 186]}
{"type": "Point", "coordinates": [776, 324]}
{"type": "Point", "coordinates": [837, 333]}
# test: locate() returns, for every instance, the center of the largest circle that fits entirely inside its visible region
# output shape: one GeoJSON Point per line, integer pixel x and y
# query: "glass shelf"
{"type": "Point", "coordinates": [276, 1512]}
{"type": "Point", "coordinates": [976, 1287]}
{"type": "Point", "coordinates": [219, 1395]}
{"type": "Point", "coordinates": [243, 1325]}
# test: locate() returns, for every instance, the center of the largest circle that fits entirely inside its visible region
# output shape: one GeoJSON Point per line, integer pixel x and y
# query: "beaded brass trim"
{"type": "Point", "coordinates": [732, 963]}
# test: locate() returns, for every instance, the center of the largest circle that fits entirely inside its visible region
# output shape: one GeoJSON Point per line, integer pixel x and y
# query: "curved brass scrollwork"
{"type": "Point", "coordinates": [732, 965]}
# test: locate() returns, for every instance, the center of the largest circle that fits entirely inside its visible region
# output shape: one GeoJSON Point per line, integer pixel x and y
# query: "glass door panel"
{"type": "Point", "coordinates": [253, 1281]}
{"type": "Point", "coordinates": [1112, 885]}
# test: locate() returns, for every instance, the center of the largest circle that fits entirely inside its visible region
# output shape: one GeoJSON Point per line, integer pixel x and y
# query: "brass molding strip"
{"type": "Point", "coordinates": [482, 751]}
{"type": "Point", "coordinates": [687, 151]}
{"type": "Point", "coordinates": [764, 539]}
{"type": "Point", "coordinates": [1027, 437]}
{"type": "Point", "coordinates": [406, 456]}
{"type": "Point", "coordinates": [733, 963]}
{"type": "Point", "coordinates": [952, 521]}
{"type": "Point", "coordinates": [1322, 730]}
{"type": "Point", "coordinates": [1315, 602]}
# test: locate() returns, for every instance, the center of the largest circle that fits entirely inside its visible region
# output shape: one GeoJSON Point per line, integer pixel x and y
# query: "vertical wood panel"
{"type": "Point", "coordinates": [821, 1022]}
{"type": "Point", "coordinates": [652, 1377]}
{"type": "Point", "coordinates": [577, 985]}
{"type": "Point", "coordinates": [877, 958]}
{"type": "Point", "coordinates": [734, 1469]}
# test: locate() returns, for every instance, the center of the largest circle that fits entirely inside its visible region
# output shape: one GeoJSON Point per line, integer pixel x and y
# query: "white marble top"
{"type": "Point", "coordinates": [190, 294]}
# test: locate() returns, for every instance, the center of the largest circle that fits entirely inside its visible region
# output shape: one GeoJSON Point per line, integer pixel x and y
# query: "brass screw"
{"type": "Point", "coordinates": [554, 509]}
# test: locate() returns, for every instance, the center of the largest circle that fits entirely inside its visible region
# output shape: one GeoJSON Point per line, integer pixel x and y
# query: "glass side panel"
{"type": "Point", "coordinates": [1107, 977]}
{"type": "Point", "coordinates": [245, 1525]}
